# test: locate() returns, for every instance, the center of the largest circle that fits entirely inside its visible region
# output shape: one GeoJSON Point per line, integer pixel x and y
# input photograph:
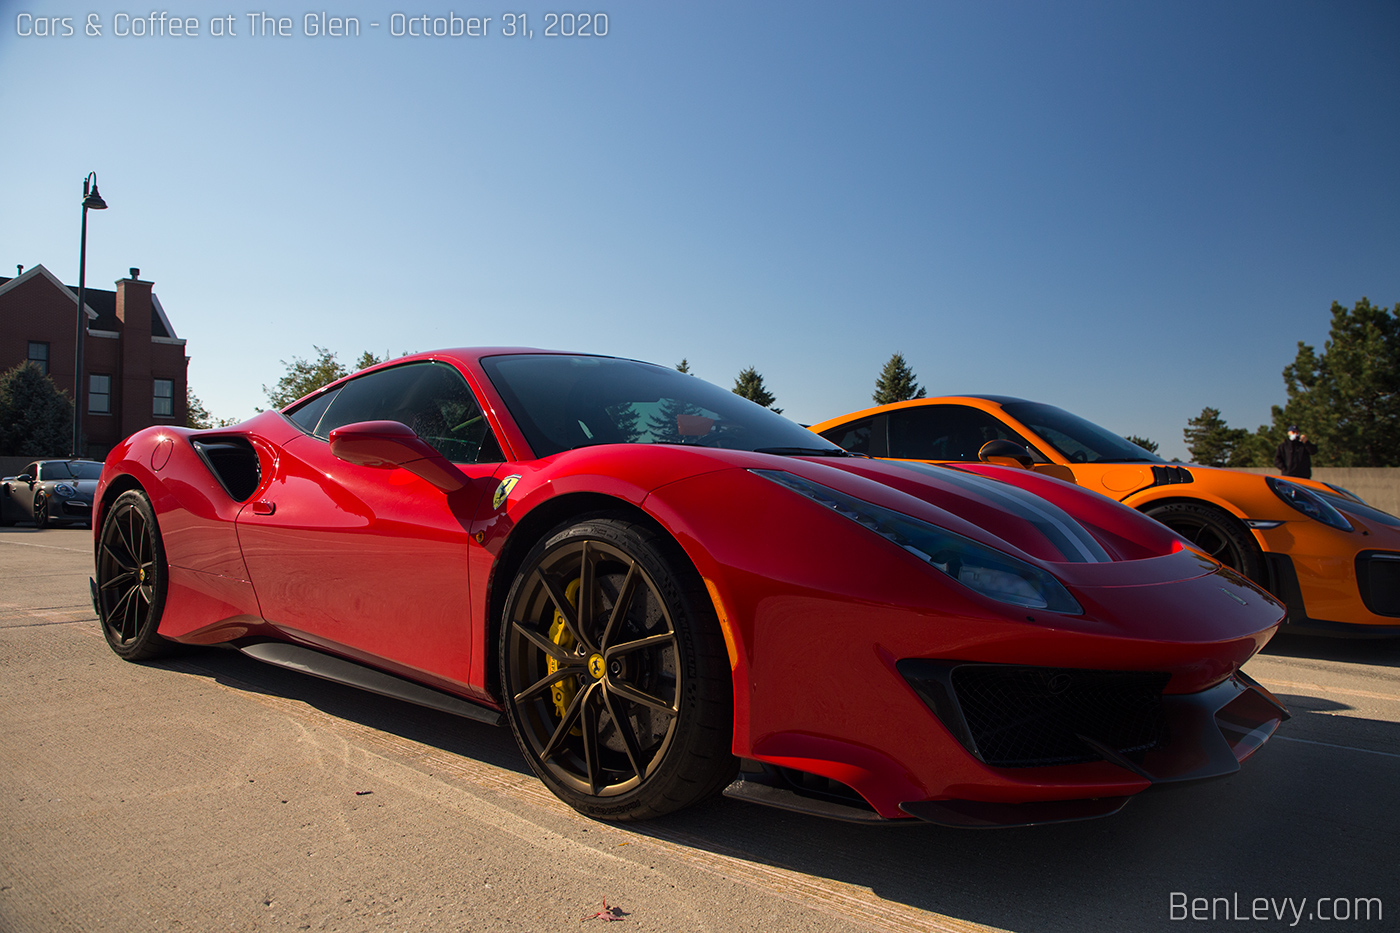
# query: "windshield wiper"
{"type": "Point", "coordinates": [805, 451]}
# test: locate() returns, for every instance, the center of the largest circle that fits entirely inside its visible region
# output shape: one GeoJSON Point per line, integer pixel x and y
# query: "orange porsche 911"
{"type": "Point", "coordinates": [1334, 560]}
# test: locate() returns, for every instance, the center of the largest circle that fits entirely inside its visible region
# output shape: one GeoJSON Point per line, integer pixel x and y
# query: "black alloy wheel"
{"type": "Point", "coordinates": [41, 511]}
{"type": "Point", "coordinates": [131, 578]}
{"type": "Point", "coordinates": [614, 672]}
{"type": "Point", "coordinates": [1217, 533]}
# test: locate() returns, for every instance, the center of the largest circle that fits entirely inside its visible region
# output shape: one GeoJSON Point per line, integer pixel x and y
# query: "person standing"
{"type": "Point", "coordinates": [1294, 456]}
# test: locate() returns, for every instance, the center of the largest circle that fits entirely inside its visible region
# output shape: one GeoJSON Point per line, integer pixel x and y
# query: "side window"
{"type": "Point", "coordinates": [308, 415]}
{"type": "Point", "coordinates": [854, 437]}
{"type": "Point", "coordinates": [431, 398]}
{"type": "Point", "coordinates": [946, 432]}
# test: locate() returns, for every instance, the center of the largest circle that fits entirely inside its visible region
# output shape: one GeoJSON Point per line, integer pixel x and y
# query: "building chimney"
{"type": "Point", "coordinates": [135, 273]}
{"type": "Point", "coordinates": [134, 313]}
{"type": "Point", "coordinates": [19, 270]}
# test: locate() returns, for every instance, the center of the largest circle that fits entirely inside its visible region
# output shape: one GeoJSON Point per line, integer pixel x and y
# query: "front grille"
{"type": "Point", "coordinates": [1378, 577]}
{"type": "Point", "coordinates": [1170, 475]}
{"type": "Point", "coordinates": [1027, 716]}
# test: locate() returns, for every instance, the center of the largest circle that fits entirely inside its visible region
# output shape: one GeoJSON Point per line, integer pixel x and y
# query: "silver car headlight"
{"type": "Point", "coordinates": [986, 570]}
{"type": "Point", "coordinates": [64, 491]}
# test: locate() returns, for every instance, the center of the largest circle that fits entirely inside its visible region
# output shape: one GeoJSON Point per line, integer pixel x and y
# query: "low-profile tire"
{"type": "Point", "coordinates": [614, 674]}
{"type": "Point", "coordinates": [1216, 532]}
{"type": "Point", "coordinates": [41, 511]}
{"type": "Point", "coordinates": [131, 578]}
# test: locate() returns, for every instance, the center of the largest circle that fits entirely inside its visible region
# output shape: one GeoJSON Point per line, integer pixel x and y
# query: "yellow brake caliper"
{"type": "Point", "coordinates": [562, 692]}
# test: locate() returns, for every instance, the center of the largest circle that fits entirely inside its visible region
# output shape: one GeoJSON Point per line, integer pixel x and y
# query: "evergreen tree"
{"type": "Point", "coordinates": [1347, 398]}
{"type": "Point", "coordinates": [750, 386]}
{"type": "Point", "coordinates": [896, 383]}
{"type": "Point", "coordinates": [36, 419]}
{"type": "Point", "coordinates": [683, 366]}
{"type": "Point", "coordinates": [1212, 442]}
{"type": "Point", "coordinates": [1148, 445]}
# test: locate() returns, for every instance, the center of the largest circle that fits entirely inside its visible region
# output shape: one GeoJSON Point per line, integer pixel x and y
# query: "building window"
{"type": "Point", "coordinates": [39, 355]}
{"type": "Point", "coordinates": [164, 398]}
{"type": "Point", "coordinates": [99, 394]}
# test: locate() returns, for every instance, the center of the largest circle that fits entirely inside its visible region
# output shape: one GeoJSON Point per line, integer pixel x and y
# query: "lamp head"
{"type": "Point", "coordinates": [92, 201]}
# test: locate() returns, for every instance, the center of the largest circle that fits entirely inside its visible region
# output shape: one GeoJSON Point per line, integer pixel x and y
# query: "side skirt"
{"type": "Point", "coordinates": [340, 671]}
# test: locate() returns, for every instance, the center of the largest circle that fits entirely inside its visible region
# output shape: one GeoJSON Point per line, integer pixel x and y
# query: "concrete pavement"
{"type": "Point", "coordinates": [209, 792]}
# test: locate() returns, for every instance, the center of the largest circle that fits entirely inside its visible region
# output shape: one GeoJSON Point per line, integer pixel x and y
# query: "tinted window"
{"type": "Point", "coordinates": [309, 414]}
{"type": "Point", "coordinates": [854, 437]}
{"type": "Point", "coordinates": [1078, 440]}
{"type": "Point", "coordinates": [946, 432]}
{"type": "Point", "coordinates": [563, 402]}
{"type": "Point", "coordinates": [80, 469]}
{"type": "Point", "coordinates": [431, 398]}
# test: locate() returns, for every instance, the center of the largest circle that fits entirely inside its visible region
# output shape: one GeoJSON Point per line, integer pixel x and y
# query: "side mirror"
{"type": "Point", "coordinates": [1006, 453]}
{"type": "Point", "coordinates": [25, 478]}
{"type": "Point", "coordinates": [385, 444]}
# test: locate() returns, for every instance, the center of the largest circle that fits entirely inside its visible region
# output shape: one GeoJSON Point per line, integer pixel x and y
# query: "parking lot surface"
{"type": "Point", "coordinates": [209, 792]}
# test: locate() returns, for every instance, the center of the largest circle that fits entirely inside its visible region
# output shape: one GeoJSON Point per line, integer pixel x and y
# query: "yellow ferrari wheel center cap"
{"type": "Point", "coordinates": [596, 667]}
{"type": "Point", "coordinates": [141, 575]}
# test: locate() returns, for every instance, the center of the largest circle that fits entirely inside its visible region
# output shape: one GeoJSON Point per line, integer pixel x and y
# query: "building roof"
{"type": "Point", "coordinates": [104, 303]}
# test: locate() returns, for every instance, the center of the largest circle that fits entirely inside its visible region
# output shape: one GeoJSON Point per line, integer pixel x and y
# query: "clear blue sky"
{"type": "Point", "coordinates": [1130, 210]}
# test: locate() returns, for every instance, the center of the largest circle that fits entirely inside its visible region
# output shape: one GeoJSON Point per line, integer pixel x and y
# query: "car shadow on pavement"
{"type": "Point", "coordinates": [1311, 816]}
{"type": "Point", "coordinates": [492, 745]}
{"type": "Point", "coordinates": [1380, 651]}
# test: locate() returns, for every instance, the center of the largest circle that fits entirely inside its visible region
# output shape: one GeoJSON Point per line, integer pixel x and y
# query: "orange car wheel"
{"type": "Point", "coordinates": [1216, 532]}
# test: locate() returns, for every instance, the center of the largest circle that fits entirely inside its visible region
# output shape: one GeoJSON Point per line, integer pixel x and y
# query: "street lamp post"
{"type": "Point", "coordinates": [94, 201]}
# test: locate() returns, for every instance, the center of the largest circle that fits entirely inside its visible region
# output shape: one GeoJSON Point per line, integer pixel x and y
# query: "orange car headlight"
{"type": "Point", "coordinates": [1308, 502]}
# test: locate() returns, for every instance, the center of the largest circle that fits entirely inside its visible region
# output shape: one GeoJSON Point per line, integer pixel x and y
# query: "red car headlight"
{"type": "Point", "coordinates": [985, 570]}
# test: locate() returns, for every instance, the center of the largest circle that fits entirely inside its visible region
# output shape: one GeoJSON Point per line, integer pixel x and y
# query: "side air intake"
{"type": "Point", "coordinates": [233, 461]}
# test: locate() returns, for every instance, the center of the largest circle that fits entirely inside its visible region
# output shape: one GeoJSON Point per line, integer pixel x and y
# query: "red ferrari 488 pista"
{"type": "Point", "coordinates": [669, 592]}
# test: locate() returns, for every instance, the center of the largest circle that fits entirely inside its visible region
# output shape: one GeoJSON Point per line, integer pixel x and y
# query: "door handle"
{"type": "Point", "coordinates": [264, 507]}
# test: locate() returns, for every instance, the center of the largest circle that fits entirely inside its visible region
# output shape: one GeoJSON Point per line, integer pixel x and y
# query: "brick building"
{"type": "Point", "coordinates": [135, 365]}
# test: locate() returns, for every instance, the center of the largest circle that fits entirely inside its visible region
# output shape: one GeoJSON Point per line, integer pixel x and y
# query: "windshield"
{"type": "Point", "coordinates": [564, 402]}
{"type": "Point", "coordinates": [1079, 441]}
{"type": "Point", "coordinates": [72, 469]}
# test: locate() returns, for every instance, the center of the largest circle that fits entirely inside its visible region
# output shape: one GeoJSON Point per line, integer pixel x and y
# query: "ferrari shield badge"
{"type": "Point", "coordinates": [504, 489]}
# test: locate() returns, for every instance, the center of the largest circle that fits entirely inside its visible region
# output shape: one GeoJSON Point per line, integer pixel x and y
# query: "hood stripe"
{"type": "Point", "coordinates": [1068, 536]}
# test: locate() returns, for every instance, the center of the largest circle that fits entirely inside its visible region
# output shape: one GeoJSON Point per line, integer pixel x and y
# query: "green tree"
{"type": "Point", "coordinates": [1212, 442]}
{"type": "Point", "coordinates": [1347, 398]}
{"type": "Point", "coordinates": [196, 415]}
{"type": "Point", "coordinates": [1257, 449]}
{"type": "Point", "coordinates": [304, 377]}
{"type": "Point", "coordinates": [1148, 445]}
{"type": "Point", "coordinates": [368, 359]}
{"type": "Point", "coordinates": [897, 382]}
{"type": "Point", "coordinates": [750, 386]}
{"type": "Point", "coordinates": [36, 418]}
{"type": "Point", "coordinates": [683, 366]}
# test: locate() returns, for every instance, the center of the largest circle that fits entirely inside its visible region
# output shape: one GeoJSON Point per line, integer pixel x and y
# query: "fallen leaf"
{"type": "Point", "coordinates": [607, 913]}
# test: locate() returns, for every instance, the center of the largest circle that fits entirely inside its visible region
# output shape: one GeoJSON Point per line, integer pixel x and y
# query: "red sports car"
{"type": "Point", "coordinates": [669, 591]}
